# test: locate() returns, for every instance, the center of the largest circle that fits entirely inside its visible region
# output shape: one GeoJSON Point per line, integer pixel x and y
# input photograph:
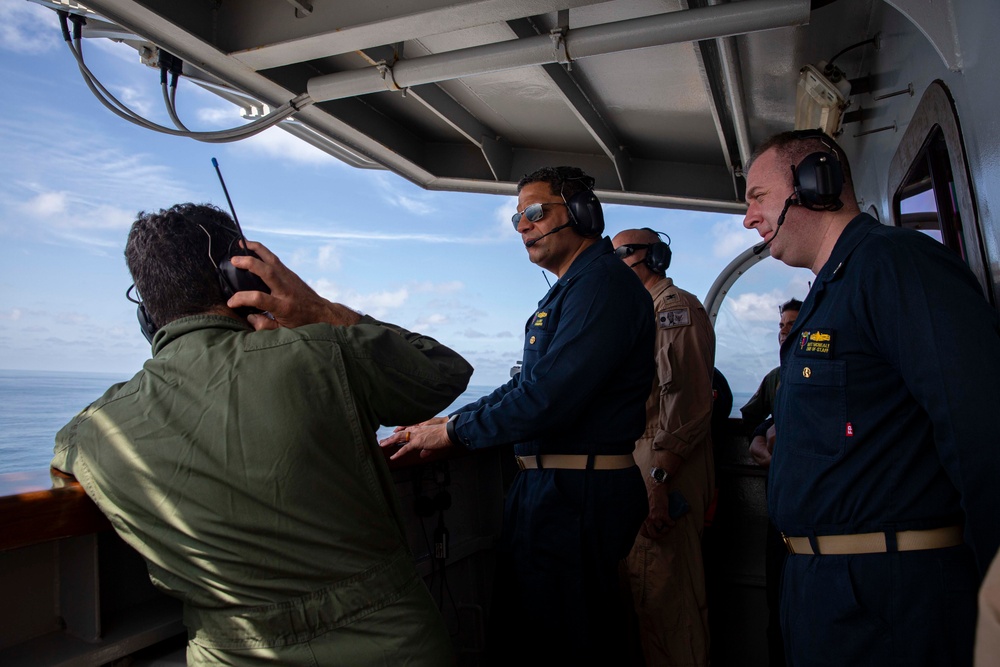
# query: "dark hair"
{"type": "Point", "coordinates": [791, 304]}
{"type": "Point", "coordinates": [794, 145]}
{"type": "Point", "coordinates": [173, 256]}
{"type": "Point", "coordinates": [566, 181]}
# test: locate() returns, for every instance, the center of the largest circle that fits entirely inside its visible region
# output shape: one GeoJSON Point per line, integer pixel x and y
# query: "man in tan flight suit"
{"type": "Point", "coordinates": [665, 568]}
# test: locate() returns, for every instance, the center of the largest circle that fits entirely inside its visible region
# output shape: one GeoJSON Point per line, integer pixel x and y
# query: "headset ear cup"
{"type": "Point", "coordinates": [818, 182]}
{"type": "Point", "coordinates": [146, 324]}
{"type": "Point", "coordinates": [658, 257]}
{"type": "Point", "coordinates": [586, 213]}
{"type": "Point", "coordinates": [226, 269]}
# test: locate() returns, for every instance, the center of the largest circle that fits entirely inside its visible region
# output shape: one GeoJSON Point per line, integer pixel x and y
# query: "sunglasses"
{"type": "Point", "coordinates": [533, 212]}
{"type": "Point", "coordinates": [628, 249]}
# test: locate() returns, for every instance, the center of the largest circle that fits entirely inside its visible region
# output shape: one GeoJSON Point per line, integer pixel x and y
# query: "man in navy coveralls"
{"type": "Point", "coordinates": [886, 484]}
{"type": "Point", "coordinates": [573, 415]}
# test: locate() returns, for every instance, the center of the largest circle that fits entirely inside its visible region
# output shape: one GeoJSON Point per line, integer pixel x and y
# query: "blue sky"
{"type": "Point", "coordinates": [73, 176]}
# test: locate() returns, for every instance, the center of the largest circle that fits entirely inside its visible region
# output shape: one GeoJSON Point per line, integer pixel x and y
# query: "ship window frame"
{"type": "Point", "coordinates": [934, 124]}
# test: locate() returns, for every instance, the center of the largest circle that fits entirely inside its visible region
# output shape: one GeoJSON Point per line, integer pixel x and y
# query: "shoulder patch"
{"type": "Point", "coordinates": [677, 317]}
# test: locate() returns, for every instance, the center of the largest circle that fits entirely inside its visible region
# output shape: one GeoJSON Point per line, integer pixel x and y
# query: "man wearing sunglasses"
{"type": "Point", "coordinates": [665, 567]}
{"type": "Point", "coordinates": [573, 414]}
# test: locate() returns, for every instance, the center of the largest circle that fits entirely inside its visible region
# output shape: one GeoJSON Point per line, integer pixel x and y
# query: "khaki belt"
{"type": "Point", "coordinates": [575, 461]}
{"type": "Point", "coordinates": [875, 543]}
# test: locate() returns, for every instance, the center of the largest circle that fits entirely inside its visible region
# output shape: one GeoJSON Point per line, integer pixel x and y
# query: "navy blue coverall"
{"type": "Point", "coordinates": [586, 372]}
{"type": "Point", "coordinates": [887, 421]}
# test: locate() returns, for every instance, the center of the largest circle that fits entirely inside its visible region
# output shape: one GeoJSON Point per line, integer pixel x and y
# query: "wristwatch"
{"type": "Point", "coordinates": [658, 475]}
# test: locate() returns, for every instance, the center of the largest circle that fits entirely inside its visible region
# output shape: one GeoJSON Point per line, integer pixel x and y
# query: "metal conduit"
{"type": "Point", "coordinates": [734, 88]}
{"type": "Point", "coordinates": [711, 22]}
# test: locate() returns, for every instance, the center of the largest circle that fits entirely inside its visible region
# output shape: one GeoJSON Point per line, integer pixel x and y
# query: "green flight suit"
{"type": "Point", "coordinates": [244, 467]}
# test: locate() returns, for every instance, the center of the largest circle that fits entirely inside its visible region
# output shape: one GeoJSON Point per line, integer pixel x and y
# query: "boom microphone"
{"type": "Point", "coordinates": [759, 248]}
{"type": "Point", "coordinates": [557, 229]}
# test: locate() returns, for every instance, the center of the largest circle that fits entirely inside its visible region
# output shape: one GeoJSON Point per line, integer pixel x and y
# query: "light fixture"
{"type": "Point", "coordinates": [821, 98]}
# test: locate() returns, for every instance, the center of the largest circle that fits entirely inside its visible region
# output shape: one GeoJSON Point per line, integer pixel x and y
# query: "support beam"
{"type": "Point", "coordinates": [582, 105]}
{"type": "Point", "coordinates": [670, 28]}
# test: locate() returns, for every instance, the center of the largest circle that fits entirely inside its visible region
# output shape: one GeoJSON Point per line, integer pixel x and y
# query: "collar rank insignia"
{"type": "Point", "coordinates": [816, 343]}
{"type": "Point", "coordinates": [677, 317]}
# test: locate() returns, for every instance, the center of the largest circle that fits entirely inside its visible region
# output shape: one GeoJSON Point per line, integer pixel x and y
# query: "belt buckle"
{"type": "Point", "coordinates": [520, 462]}
{"type": "Point", "coordinates": [788, 543]}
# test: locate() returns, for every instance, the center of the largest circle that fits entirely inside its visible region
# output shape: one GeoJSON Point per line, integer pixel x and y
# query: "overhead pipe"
{"type": "Point", "coordinates": [734, 91]}
{"type": "Point", "coordinates": [712, 22]}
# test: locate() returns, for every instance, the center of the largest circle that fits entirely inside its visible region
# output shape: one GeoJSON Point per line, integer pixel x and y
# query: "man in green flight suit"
{"type": "Point", "coordinates": [242, 462]}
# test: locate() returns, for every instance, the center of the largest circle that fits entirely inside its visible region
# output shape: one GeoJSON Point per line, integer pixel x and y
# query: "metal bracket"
{"type": "Point", "coordinates": [559, 51]}
{"type": "Point", "coordinates": [302, 8]}
{"type": "Point", "coordinates": [385, 70]}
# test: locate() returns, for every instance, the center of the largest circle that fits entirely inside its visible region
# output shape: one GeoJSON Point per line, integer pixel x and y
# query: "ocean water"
{"type": "Point", "coordinates": [34, 405]}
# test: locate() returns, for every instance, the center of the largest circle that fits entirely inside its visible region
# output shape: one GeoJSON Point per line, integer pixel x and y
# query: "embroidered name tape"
{"type": "Point", "coordinates": [816, 343]}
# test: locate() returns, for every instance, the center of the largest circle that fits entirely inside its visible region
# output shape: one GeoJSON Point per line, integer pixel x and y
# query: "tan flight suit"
{"type": "Point", "coordinates": [667, 574]}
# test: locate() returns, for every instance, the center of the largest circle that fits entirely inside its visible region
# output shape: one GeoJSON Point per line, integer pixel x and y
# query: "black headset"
{"type": "Point", "coordinates": [658, 254]}
{"type": "Point", "coordinates": [586, 214]}
{"type": "Point", "coordinates": [818, 179]}
{"type": "Point", "coordinates": [231, 279]}
{"type": "Point", "coordinates": [146, 324]}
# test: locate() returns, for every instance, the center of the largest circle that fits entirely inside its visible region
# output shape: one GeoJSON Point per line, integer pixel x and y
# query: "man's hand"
{"type": "Point", "coordinates": [425, 437]}
{"type": "Point", "coordinates": [759, 451]}
{"type": "Point", "coordinates": [292, 303]}
{"type": "Point", "coordinates": [762, 448]}
{"type": "Point", "coordinates": [658, 523]}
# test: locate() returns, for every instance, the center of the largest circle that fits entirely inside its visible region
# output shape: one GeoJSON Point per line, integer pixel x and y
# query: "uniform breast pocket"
{"type": "Point", "coordinates": [813, 402]}
{"type": "Point", "coordinates": [536, 343]}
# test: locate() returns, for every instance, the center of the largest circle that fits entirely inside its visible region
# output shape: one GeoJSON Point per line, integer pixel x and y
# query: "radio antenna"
{"type": "Point", "coordinates": [232, 209]}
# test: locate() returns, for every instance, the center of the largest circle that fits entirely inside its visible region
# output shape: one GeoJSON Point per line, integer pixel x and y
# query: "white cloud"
{"type": "Point", "coordinates": [328, 257]}
{"type": "Point", "coordinates": [420, 203]}
{"type": "Point", "coordinates": [326, 289]}
{"type": "Point", "coordinates": [53, 210]}
{"type": "Point", "coordinates": [46, 204]}
{"type": "Point", "coordinates": [277, 143]}
{"type": "Point", "coordinates": [502, 215]}
{"type": "Point", "coordinates": [379, 303]}
{"type": "Point", "coordinates": [730, 237]}
{"type": "Point", "coordinates": [376, 304]}
{"type": "Point", "coordinates": [756, 307]}
{"type": "Point", "coordinates": [430, 322]}
{"type": "Point", "coordinates": [134, 98]}
{"type": "Point", "coordinates": [350, 235]}
{"type": "Point", "coordinates": [28, 28]}
{"type": "Point", "coordinates": [411, 204]}
{"type": "Point", "coordinates": [220, 117]}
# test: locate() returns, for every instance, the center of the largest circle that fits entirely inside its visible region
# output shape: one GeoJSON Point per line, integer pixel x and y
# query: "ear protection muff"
{"type": "Point", "coordinates": [231, 279]}
{"type": "Point", "coordinates": [586, 213]}
{"type": "Point", "coordinates": [146, 324]}
{"type": "Point", "coordinates": [658, 255]}
{"type": "Point", "coordinates": [818, 179]}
